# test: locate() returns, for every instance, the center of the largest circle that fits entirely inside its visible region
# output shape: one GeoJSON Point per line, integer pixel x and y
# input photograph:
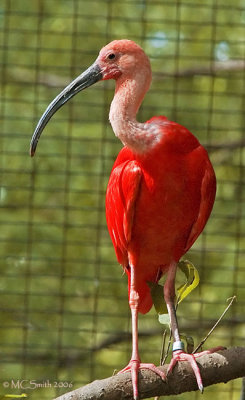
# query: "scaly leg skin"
{"type": "Point", "coordinates": [180, 355]}
{"type": "Point", "coordinates": [178, 345]}
{"type": "Point", "coordinates": [134, 365]}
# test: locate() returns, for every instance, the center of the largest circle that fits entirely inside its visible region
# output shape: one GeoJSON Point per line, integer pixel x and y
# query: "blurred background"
{"type": "Point", "coordinates": [64, 309]}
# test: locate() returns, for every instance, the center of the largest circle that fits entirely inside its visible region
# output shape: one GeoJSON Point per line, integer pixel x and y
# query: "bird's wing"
{"type": "Point", "coordinates": [208, 191]}
{"type": "Point", "coordinates": [122, 191]}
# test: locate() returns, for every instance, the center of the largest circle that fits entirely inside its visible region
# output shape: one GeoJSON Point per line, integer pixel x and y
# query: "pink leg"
{"type": "Point", "coordinates": [134, 364]}
{"type": "Point", "coordinates": [180, 355]}
{"type": "Point", "coordinates": [178, 345]}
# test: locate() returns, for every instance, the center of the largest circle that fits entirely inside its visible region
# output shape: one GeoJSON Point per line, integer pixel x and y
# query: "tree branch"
{"type": "Point", "coordinates": [215, 68]}
{"type": "Point", "coordinates": [54, 80]}
{"type": "Point", "coordinates": [215, 368]}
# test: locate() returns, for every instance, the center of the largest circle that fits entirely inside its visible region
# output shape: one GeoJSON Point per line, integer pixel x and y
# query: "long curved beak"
{"type": "Point", "coordinates": [86, 79]}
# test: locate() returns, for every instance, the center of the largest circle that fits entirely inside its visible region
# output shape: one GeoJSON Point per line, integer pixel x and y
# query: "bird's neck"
{"type": "Point", "coordinates": [129, 93]}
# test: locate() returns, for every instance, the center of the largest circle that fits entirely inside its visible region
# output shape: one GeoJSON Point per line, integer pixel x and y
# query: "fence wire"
{"type": "Point", "coordinates": [63, 299]}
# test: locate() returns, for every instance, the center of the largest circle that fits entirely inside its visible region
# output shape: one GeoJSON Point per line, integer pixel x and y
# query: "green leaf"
{"type": "Point", "coordinates": [189, 342]}
{"type": "Point", "coordinates": [164, 319]}
{"type": "Point", "coordinates": [192, 280]}
{"type": "Point", "coordinates": [159, 303]}
{"type": "Point", "coordinates": [158, 297]}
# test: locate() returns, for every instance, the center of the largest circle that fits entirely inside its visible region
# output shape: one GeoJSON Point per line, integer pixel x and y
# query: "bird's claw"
{"type": "Point", "coordinates": [134, 366]}
{"type": "Point", "coordinates": [180, 355]}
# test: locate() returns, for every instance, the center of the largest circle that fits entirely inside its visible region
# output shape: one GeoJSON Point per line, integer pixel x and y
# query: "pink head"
{"type": "Point", "coordinates": [120, 60]}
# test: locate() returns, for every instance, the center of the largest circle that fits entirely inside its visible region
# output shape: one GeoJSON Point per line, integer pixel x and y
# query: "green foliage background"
{"type": "Point", "coordinates": [63, 299]}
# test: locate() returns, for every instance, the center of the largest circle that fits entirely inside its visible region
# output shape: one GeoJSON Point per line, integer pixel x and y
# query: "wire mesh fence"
{"type": "Point", "coordinates": [63, 299]}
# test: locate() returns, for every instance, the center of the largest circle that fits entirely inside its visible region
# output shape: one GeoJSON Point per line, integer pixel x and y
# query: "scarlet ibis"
{"type": "Point", "coordinates": [160, 192]}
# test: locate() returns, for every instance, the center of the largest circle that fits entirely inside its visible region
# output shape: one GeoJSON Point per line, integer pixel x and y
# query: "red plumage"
{"type": "Point", "coordinates": [160, 193]}
{"type": "Point", "coordinates": [158, 203]}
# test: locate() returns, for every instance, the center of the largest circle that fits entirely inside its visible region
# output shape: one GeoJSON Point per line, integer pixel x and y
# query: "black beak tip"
{"type": "Point", "coordinates": [87, 78]}
{"type": "Point", "coordinates": [32, 149]}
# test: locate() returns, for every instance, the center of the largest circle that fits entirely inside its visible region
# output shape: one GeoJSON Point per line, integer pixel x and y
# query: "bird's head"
{"type": "Point", "coordinates": [122, 58]}
{"type": "Point", "coordinates": [119, 60]}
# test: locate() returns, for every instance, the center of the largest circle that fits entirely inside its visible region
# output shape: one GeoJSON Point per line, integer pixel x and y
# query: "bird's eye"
{"type": "Point", "coordinates": [111, 56]}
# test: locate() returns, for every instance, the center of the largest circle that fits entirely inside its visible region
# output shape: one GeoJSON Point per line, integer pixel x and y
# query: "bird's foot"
{"type": "Point", "coordinates": [180, 355]}
{"type": "Point", "coordinates": [134, 366]}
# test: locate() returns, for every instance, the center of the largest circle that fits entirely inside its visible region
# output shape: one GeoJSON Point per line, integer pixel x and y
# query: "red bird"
{"type": "Point", "coordinates": [160, 192]}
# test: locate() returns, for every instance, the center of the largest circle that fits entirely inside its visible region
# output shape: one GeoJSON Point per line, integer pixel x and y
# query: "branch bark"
{"type": "Point", "coordinates": [212, 69]}
{"type": "Point", "coordinates": [215, 368]}
{"type": "Point", "coordinates": [53, 80]}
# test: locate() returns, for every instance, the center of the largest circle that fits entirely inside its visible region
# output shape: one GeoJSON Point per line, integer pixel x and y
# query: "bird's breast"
{"type": "Point", "coordinates": [167, 206]}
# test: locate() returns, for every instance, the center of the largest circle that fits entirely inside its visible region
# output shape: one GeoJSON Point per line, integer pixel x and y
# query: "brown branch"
{"type": "Point", "coordinates": [212, 69]}
{"type": "Point", "coordinates": [233, 145]}
{"type": "Point", "coordinates": [215, 368]}
{"type": "Point", "coordinates": [53, 80]}
{"type": "Point", "coordinates": [46, 79]}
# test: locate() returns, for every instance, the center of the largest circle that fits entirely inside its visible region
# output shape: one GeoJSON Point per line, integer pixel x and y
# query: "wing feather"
{"type": "Point", "coordinates": [122, 191]}
{"type": "Point", "coordinates": [208, 191]}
